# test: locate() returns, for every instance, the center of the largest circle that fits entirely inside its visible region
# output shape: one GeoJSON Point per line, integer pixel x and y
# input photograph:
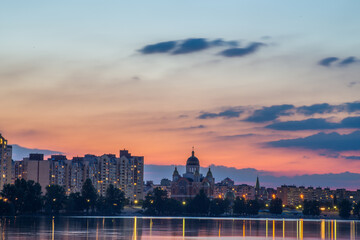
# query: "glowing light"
{"type": "Point", "coordinates": [322, 209]}
{"type": "Point", "coordinates": [183, 203]}
{"type": "Point", "coordinates": [136, 201]}
{"type": "Point", "coordinates": [273, 196]}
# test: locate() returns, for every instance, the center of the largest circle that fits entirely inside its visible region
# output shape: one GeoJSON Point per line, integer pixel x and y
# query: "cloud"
{"type": "Point", "coordinates": [270, 113]}
{"type": "Point", "coordinates": [352, 107]}
{"type": "Point", "coordinates": [322, 141]}
{"type": "Point", "coordinates": [192, 45]}
{"type": "Point", "coordinates": [308, 124]}
{"type": "Point", "coordinates": [184, 128]}
{"type": "Point", "coordinates": [186, 46]}
{"type": "Point", "coordinates": [351, 157]}
{"type": "Point", "coordinates": [228, 113]}
{"type": "Point", "coordinates": [232, 137]}
{"type": "Point", "coordinates": [326, 62]}
{"type": "Point", "coordinates": [315, 124]}
{"type": "Point", "coordinates": [240, 52]}
{"type": "Point", "coordinates": [348, 61]}
{"type": "Point", "coordinates": [316, 108]}
{"type": "Point", "coordinates": [162, 47]}
{"type": "Point", "coordinates": [350, 122]}
{"type": "Point", "coordinates": [20, 152]}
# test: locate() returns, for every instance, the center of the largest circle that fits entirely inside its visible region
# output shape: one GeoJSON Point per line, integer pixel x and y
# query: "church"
{"type": "Point", "coordinates": [190, 183]}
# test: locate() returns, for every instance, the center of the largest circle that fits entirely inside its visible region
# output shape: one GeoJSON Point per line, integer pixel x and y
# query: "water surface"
{"type": "Point", "coordinates": [137, 228]}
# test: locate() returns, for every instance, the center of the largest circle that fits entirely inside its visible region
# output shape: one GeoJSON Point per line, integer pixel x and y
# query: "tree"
{"type": "Point", "coordinates": [173, 207]}
{"type": "Point", "coordinates": [276, 206]}
{"type": "Point", "coordinates": [6, 208]}
{"type": "Point", "coordinates": [239, 207]}
{"type": "Point", "coordinates": [155, 202]}
{"type": "Point", "coordinates": [89, 195]}
{"type": "Point", "coordinates": [114, 200]}
{"type": "Point", "coordinates": [55, 199]}
{"type": "Point", "coordinates": [311, 208]}
{"type": "Point", "coordinates": [199, 204]}
{"type": "Point", "coordinates": [24, 196]}
{"type": "Point", "coordinates": [74, 203]}
{"type": "Point", "coordinates": [345, 207]}
{"type": "Point", "coordinates": [219, 206]}
{"type": "Point", "coordinates": [252, 207]}
{"type": "Point", "coordinates": [356, 210]}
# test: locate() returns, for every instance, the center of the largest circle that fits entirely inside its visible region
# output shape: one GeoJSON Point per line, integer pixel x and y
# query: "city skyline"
{"type": "Point", "coordinates": [248, 90]}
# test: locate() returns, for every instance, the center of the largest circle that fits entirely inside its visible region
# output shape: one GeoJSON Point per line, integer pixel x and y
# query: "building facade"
{"type": "Point", "coordinates": [125, 172]}
{"type": "Point", "coordinates": [6, 165]}
{"type": "Point", "coordinates": [191, 182]}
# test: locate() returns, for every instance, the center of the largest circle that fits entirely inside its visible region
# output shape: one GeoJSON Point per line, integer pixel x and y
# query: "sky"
{"type": "Point", "coordinates": [269, 85]}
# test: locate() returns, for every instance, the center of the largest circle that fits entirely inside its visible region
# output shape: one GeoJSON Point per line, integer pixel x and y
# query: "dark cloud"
{"type": "Point", "coordinates": [162, 47]}
{"type": "Point", "coordinates": [192, 45]}
{"type": "Point", "coordinates": [325, 141]}
{"type": "Point", "coordinates": [229, 113]}
{"type": "Point", "coordinates": [348, 61]}
{"type": "Point", "coordinates": [184, 128]}
{"type": "Point", "coordinates": [350, 122]}
{"type": "Point", "coordinates": [315, 124]}
{"type": "Point", "coordinates": [186, 46]}
{"type": "Point", "coordinates": [220, 42]}
{"type": "Point", "coordinates": [232, 137]}
{"type": "Point", "coordinates": [352, 107]}
{"type": "Point", "coordinates": [316, 108]}
{"type": "Point", "coordinates": [326, 62]}
{"type": "Point", "coordinates": [308, 124]}
{"type": "Point", "coordinates": [240, 52]}
{"type": "Point", "coordinates": [270, 113]}
{"type": "Point", "coordinates": [351, 157]}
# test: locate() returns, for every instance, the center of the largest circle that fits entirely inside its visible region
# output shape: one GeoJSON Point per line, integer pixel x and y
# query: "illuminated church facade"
{"type": "Point", "coordinates": [191, 182]}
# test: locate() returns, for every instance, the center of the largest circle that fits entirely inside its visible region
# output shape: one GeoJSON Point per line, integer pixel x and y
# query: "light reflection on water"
{"type": "Point", "coordinates": [137, 228]}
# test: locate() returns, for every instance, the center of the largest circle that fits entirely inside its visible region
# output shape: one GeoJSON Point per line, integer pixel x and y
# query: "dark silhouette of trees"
{"type": "Point", "coordinates": [345, 207]}
{"type": "Point", "coordinates": [311, 208]}
{"type": "Point", "coordinates": [24, 196]}
{"type": "Point", "coordinates": [75, 203]}
{"type": "Point", "coordinates": [252, 207]}
{"type": "Point", "coordinates": [154, 203]}
{"type": "Point", "coordinates": [356, 211]}
{"type": "Point", "coordinates": [219, 206]}
{"type": "Point", "coordinates": [276, 206]}
{"type": "Point", "coordinates": [114, 200]}
{"type": "Point", "coordinates": [239, 207]}
{"type": "Point", "coordinates": [55, 199]}
{"type": "Point", "coordinates": [200, 204]}
{"type": "Point", "coordinates": [89, 195]}
{"type": "Point", "coordinates": [6, 208]}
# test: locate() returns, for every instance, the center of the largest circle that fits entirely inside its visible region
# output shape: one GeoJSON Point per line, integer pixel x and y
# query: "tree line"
{"type": "Point", "coordinates": [25, 197]}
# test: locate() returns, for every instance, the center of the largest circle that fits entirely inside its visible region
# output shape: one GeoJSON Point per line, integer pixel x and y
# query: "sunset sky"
{"type": "Point", "coordinates": [271, 85]}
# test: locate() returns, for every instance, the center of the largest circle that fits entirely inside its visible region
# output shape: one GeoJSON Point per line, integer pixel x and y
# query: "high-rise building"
{"type": "Point", "coordinates": [106, 173]}
{"type": "Point", "coordinates": [58, 170]}
{"type": "Point", "coordinates": [5, 162]}
{"type": "Point", "coordinates": [37, 169]}
{"type": "Point", "coordinates": [130, 171]}
{"type": "Point", "coordinates": [76, 175]}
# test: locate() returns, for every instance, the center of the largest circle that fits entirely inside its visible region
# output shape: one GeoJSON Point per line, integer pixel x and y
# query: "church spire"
{"type": "Point", "coordinates": [257, 185]}
{"type": "Point", "coordinates": [193, 152]}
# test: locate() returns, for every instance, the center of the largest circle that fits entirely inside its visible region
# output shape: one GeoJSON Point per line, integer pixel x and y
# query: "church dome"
{"type": "Point", "coordinates": [193, 161]}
